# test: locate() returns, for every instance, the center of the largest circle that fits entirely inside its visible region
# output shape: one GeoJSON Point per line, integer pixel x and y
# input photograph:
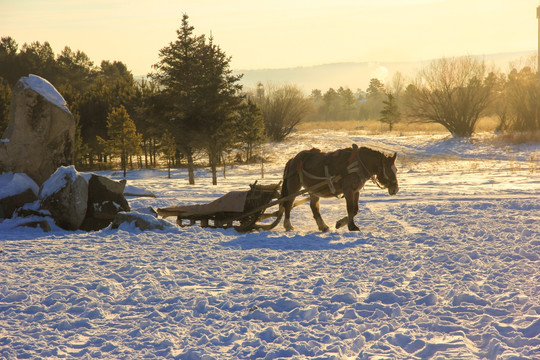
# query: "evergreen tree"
{"type": "Point", "coordinates": [124, 140]}
{"type": "Point", "coordinates": [202, 93]}
{"type": "Point", "coordinates": [37, 58]}
{"type": "Point", "coordinates": [373, 104]}
{"type": "Point", "coordinates": [5, 100]}
{"type": "Point", "coordinates": [81, 149]}
{"type": "Point", "coordinates": [10, 66]}
{"type": "Point", "coordinates": [331, 105]}
{"type": "Point", "coordinates": [219, 104]}
{"type": "Point", "coordinates": [75, 69]}
{"type": "Point", "coordinates": [168, 147]}
{"type": "Point", "coordinates": [390, 113]}
{"type": "Point", "coordinates": [250, 127]}
{"type": "Point", "coordinates": [93, 108]}
{"type": "Point", "coordinates": [110, 89]}
{"type": "Point", "coordinates": [147, 115]}
{"type": "Point", "coordinates": [176, 72]}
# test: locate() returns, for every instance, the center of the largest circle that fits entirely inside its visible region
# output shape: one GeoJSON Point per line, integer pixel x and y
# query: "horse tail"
{"type": "Point", "coordinates": [284, 187]}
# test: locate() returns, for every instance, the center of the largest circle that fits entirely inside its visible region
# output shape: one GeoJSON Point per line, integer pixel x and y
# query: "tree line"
{"type": "Point", "coordinates": [452, 92]}
{"type": "Point", "coordinates": [192, 106]}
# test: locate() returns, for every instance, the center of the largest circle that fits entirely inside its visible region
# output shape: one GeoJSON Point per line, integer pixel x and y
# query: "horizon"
{"type": "Point", "coordinates": [357, 75]}
{"type": "Point", "coordinates": [278, 35]}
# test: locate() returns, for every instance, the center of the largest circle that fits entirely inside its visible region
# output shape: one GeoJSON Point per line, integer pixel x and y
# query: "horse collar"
{"type": "Point", "coordinates": [354, 161]}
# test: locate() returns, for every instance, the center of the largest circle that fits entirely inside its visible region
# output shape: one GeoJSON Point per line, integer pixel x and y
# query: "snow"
{"type": "Point", "coordinates": [131, 190]}
{"type": "Point", "coordinates": [16, 183]}
{"type": "Point", "coordinates": [58, 180]}
{"type": "Point", "coordinates": [449, 268]}
{"type": "Point", "coordinates": [46, 89]}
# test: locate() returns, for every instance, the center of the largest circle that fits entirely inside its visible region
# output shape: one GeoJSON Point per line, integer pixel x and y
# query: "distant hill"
{"type": "Point", "coordinates": [356, 75]}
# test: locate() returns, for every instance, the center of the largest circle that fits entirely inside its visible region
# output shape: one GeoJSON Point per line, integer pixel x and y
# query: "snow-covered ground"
{"type": "Point", "coordinates": [448, 268]}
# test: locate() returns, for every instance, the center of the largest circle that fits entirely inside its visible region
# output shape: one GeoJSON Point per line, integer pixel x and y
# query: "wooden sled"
{"type": "Point", "coordinates": [242, 210]}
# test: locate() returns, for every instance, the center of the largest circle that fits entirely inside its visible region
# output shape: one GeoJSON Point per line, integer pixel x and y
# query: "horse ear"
{"type": "Point", "coordinates": [394, 157]}
{"type": "Point", "coordinates": [355, 147]}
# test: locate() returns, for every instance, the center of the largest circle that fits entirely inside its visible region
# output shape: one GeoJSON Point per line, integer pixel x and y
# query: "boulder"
{"type": "Point", "coordinates": [9, 204]}
{"type": "Point", "coordinates": [41, 131]}
{"type": "Point", "coordinates": [65, 196]}
{"type": "Point", "coordinates": [105, 200]}
{"type": "Point", "coordinates": [15, 191]}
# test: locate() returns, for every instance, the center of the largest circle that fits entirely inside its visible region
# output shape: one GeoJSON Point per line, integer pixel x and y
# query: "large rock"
{"type": "Point", "coordinates": [105, 200]}
{"type": "Point", "coordinates": [15, 191]}
{"type": "Point", "coordinates": [65, 196]}
{"type": "Point", "coordinates": [41, 132]}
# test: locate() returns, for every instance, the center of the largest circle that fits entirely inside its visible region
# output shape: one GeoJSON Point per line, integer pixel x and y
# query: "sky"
{"type": "Point", "coordinates": [274, 34]}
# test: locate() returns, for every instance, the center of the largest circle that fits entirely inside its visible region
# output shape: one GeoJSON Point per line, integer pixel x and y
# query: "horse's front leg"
{"type": "Point", "coordinates": [315, 209]}
{"type": "Point", "coordinates": [351, 198]}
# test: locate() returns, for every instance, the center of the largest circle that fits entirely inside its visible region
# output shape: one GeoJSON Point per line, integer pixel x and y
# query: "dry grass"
{"type": "Point", "coordinates": [374, 127]}
{"type": "Point", "coordinates": [520, 137]}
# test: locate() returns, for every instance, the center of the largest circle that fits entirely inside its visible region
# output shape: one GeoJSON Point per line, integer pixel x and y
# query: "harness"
{"type": "Point", "coordinates": [353, 166]}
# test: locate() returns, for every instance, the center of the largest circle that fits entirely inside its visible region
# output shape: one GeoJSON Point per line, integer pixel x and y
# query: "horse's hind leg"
{"type": "Point", "coordinates": [352, 209]}
{"type": "Point", "coordinates": [287, 205]}
{"type": "Point", "coordinates": [290, 186]}
{"type": "Point", "coordinates": [314, 204]}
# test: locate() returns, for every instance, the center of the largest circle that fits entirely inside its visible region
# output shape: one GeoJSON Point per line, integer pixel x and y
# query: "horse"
{"type": "Point", "coordinates": [342, 172]}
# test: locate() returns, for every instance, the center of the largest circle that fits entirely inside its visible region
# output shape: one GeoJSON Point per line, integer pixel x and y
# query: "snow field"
{"type": "Point", "coordinates": [447, 269]}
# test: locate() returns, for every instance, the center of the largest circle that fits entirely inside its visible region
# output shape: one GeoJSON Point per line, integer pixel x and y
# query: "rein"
{"type": "Point", "coordinates": [373, 178]}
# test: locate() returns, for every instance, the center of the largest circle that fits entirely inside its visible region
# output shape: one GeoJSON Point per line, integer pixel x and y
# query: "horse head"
{"type": "Point", "coordinates": [387, 174]}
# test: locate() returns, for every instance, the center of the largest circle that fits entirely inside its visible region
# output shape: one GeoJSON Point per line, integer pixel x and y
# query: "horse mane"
{"type": "Point", "coordinates": [349, 150]}
{"type": "Point", "coordinates": [371, 151]}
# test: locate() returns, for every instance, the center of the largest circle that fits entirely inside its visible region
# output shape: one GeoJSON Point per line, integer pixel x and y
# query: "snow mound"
{"type": "Point", "coordinates": [46, 89]}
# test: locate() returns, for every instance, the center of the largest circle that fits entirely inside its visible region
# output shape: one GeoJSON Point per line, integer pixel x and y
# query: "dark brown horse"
{"type": "Point", "coordinates": [343, 171]}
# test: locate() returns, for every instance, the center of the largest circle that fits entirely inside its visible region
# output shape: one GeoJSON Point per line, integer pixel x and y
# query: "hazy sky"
{"type": "Point", "coordinates": [277, 33]}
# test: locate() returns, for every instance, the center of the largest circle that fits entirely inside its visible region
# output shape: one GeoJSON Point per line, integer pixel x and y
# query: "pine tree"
{"type": "Point", "coordinates": [168, 147]}
{"type": "Point", "coordinates": [202, 94]}
{"type": "Point", "coordinates": [5, 101]}
{"type": "Point", "coordinates": [123, 138]}
{"type": "Point", "coordinates": [390, 113]}
{"type": "Point", "coordinates": [250, 127]}
{"type": "Point", "coordinates": [220, 102]}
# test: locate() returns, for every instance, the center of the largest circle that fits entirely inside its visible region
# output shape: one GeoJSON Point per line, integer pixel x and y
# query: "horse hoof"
{"type": "Point", "coordinates": [289, 228]}
{"type": "Point", "coordinates": [354, 228]}
{"type": "Point", "coordinates": [325, 229]}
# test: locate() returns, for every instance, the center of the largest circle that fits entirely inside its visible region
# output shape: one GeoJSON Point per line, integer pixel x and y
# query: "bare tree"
{"type": "Point", "coordinates": [451, 92]}
{"type": "Point", "coordinates": [283, 108]}
{"type": "Point", "coordinates": [397, 85]}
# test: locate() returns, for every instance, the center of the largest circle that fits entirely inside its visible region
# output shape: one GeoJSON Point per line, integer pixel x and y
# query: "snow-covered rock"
{"type": "Point", "coordinates": [15, 191]}
{"type": "Point", "coordinates": [105, 200]}
{"type": "Point", "coordinates": [41, 131]}
{"type": "Point", "coordinates": [65, 196]}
